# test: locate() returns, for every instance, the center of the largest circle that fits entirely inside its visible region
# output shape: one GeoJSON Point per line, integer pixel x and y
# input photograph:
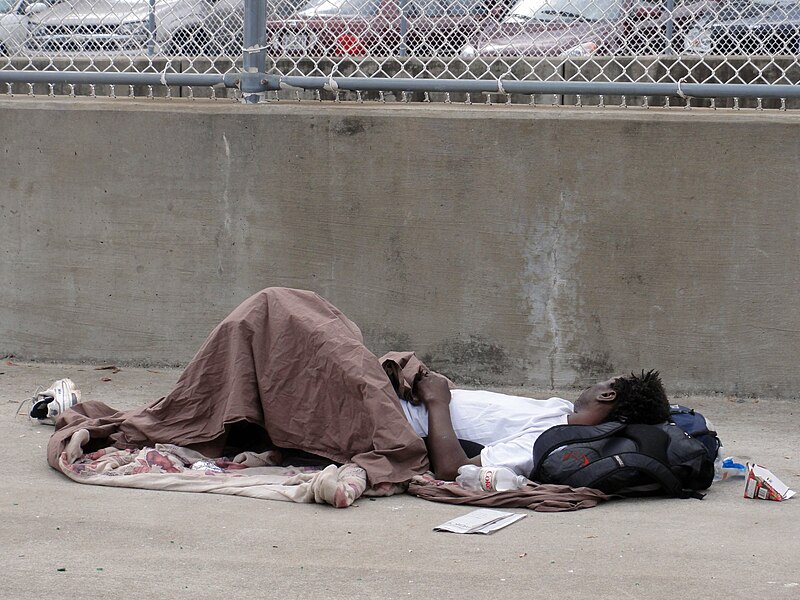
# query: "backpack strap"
{"type": "Point", "coordinates": [653, 442]}
{"type": "Point", "coordinates": [630, 460]}
{"type": "Point", "coordinates": [562, 435]}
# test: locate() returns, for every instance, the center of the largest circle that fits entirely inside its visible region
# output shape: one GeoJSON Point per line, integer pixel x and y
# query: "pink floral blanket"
{"type": "Point", "coordinates": [174, 468]}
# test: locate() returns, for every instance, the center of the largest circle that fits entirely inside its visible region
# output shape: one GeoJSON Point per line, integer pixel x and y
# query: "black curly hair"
{"type": "Point", "coordinates": [640, 399]}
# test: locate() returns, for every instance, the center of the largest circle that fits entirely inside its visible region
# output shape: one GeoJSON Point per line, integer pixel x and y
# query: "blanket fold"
{"type": "Point", "coordinates": [402, 369]}
{"type": "Point", "coordinates": [539, 497]}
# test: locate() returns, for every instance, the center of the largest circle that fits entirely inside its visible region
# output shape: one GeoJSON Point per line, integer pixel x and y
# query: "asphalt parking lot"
{"type": "Point", "coordinates": [61, 539]}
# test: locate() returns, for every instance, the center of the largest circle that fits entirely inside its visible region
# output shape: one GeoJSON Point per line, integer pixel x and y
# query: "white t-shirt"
{"type": "Point", "coordinates": [507, 426]}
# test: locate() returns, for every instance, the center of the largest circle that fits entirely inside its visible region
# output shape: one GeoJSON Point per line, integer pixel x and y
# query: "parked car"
{"type": "Point", "coordinates": [14, 16]}
{"type": "Point", "coordinates": [753, 27]}
{"type": "Point", "coordinates": [117, 27]}
{"type": "Point", "coordinates": [222, 28]}
{"type": "Point", "coordinates": [584, 28]}
{"type": "Point", "coordinates": [379, 27]}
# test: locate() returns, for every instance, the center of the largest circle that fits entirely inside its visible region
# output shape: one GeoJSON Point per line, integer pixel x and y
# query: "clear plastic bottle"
{"type": "Point", "coordinates": [728, 468]}
{"type": "Point", "coordinates": [489, 479]}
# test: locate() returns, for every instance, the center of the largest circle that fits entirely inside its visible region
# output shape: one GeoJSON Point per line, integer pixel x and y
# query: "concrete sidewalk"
{"type": "Point", "coordinates": [63, 540]}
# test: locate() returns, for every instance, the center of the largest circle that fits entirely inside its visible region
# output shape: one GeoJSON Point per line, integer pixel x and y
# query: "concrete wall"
{"type": "Point", "coordinates": [543, 247]}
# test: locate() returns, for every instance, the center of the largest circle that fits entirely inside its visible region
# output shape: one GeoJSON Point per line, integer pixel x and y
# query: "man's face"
{"type": "Point", "coordinates": [595, 391]}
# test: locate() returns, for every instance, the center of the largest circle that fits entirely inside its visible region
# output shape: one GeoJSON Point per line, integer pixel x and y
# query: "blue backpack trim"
{"type": "Point", "coordinates": [695, 424]}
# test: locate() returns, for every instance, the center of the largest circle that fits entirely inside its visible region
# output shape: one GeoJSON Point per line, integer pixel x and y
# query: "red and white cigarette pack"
{"type": "Point", "coordinates": [763, 485]}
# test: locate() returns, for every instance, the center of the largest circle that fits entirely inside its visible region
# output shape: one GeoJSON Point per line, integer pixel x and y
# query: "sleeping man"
{"type": "Point", "coordinates": [507, 426]}
{"type": "Point", "coordinates": [287, 370]}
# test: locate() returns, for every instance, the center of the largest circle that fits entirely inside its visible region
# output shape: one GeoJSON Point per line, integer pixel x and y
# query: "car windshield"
{"type": "Point", "coordinates": [339, 7]}
{"type": "Point", "coordinates": [550, 10]}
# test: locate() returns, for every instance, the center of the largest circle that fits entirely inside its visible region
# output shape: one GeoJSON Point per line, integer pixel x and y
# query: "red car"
{"type": "Point", "coordinates": [380, 27]}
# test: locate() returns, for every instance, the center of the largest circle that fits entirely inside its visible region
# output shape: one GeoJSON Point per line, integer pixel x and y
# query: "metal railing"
{"type": "Point", "coordinates": [683, 52]}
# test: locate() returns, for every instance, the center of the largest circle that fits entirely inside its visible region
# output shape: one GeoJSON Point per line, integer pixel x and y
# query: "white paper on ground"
{"type": "Point", "coordinates": [482, 520]}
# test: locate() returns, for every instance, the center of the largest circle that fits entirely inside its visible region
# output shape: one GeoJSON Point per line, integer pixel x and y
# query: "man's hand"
{"type": "Point", "coordinates": [431, 388]}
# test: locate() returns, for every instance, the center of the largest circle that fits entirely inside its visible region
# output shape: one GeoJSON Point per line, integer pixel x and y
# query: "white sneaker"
{"type": "Point", "coordinates": [47, 405]}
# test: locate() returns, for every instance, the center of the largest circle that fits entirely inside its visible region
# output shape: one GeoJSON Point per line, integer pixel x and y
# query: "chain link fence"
{"type": "Point", "coordinates": [673, 52]}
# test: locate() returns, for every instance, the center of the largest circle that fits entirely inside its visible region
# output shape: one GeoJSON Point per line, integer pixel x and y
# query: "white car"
{"type": "Point", "coordinates": [223, 27]}
{"type": "Point", "coordinates": [117, 27]}
{"type": "Point", "coordinates": [14, 17]}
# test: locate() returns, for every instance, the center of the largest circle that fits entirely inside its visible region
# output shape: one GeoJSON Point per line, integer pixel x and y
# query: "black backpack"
{"type": "Point", "coordinates": [697, 426]}
{"type": "Point", "coordinates": [624, 459]}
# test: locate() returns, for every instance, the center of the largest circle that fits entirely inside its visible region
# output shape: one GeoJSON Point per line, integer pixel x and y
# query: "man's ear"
{"type": "Point", "coordinates": [607, 396]}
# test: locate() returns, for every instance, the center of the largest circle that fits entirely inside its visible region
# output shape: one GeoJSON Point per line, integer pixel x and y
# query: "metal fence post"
{"type": "Point", "coordinates": [670, 28]}
{"type": "Point", "coordinates": [253, 82]}
{"type": "Point", "coordinates": [151, 27]}
{"type": "Point", "coordinates": [403, 50]}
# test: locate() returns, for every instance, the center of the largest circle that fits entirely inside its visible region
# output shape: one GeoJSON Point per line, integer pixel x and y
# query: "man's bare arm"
{"type": "Point", "coordinates": [444, 450]}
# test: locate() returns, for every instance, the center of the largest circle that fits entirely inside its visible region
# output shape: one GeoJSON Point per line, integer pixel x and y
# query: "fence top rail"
{"type": "Point", "coordinates": [401, 84]}
{"type": "Point", "coordinates": [500, 86]}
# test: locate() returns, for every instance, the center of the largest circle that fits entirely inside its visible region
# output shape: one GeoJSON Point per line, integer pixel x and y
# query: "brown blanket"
{"type": "Point", "coordinates": [290, 362]}
{"type": "Point", "coordinates": [540, 497]}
